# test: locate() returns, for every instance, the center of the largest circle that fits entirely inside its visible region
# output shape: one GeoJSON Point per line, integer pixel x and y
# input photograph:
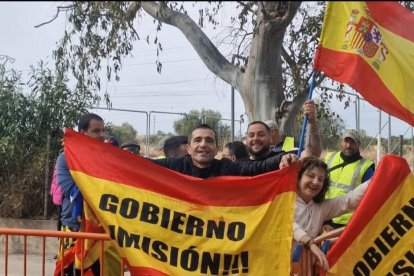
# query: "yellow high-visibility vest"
{"type": "Point", "coordinates": [344, 179]}
{"type": "Point", "coordinates": [288, 143]}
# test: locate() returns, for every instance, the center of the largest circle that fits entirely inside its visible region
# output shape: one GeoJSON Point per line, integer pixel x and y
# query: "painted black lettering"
{"type": "Point", "coordinates": [389, 237]}
{"type": "Point", "coordinates": [410, 256]}
{"type": "Point", "coordinates": [372, 257]}
{"type": "Point", "coordinates": [400, 224]}
{"type": "Point", "coordinates": [127, 240]}
{"type": "Point", "coordinates": [159, 247]}
{"type": "Point", "coordinates": [145, 244]}
{"type": "Point", "coordinates": [149, 213]}
{"type": "Point", "coordinates": [177, 221]}
{"type": "Point", "coordinates": [409, 210]}
{"type": "Point", "coordinates": [210, 263]}
{"type": "Point", "coordinates": [236, 231]}
{"type": "Point", "coordinates": [165, 220]}
{"type": "Point", "coordinates": [129, 208]}
{"type": "Point", "coordinates": [112, 231]}
{"type": "Point", "coordinates": [194, 226]}
{"type": "Point", "coordinates": [400, 269]}
{"type": "Point", "coordinates": [189, 259]}
{"type": "Point", "coordinates": [215, 230]}
{"type": "Point", "coordinates": [360, 269]}
{"type": "Point", "coordinates": [108, 203]}
{"type": "Point", "coordinates": [174, 256]}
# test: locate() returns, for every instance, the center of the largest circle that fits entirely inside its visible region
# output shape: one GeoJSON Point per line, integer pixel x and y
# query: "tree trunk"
{"type": "Point", "coordinates": [260, 85]}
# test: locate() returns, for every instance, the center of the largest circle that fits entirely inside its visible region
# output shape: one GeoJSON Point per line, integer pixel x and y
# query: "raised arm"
{"type": "Point", "coordinates": [313, 143]}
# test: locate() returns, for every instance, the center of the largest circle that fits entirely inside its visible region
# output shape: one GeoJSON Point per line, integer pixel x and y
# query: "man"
{"type": "Point", "coordinates": [235, 151]}
{"type": "Point", "coordinates": [347, 170]}
{"type": "Point", "coordinates": [279, 143]}
{"type": "Point", "coordinates": [131, 146]}
{"type": "Point", "coordinates": [176, 146]}
{"type": "Point", "coordinates": [203, 147]}
{"type": "Point", "coordinates": [91, 125]}
{"type": "Point", "coordinates": [258, 141]}
{"type": "Point", "coordinates": [260, 137]}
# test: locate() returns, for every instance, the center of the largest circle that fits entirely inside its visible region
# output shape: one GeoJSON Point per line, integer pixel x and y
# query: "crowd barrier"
{"type": "Point", "coordinates": [303, 262]}
{"type": "Point", "coordinates": [6, 233]}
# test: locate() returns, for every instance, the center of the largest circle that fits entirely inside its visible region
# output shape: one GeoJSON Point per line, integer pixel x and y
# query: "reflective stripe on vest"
{"type": "Point", "coordinates": [344, 179]}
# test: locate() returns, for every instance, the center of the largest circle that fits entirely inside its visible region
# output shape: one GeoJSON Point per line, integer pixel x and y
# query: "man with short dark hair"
{"type": "Point", "coordinates": [201, 162]}
{"type": "Point", "coordinates": [176, 146]}
{"type": "Point", "coordinates": [93, 126]}
{"type": "Point", "coordinates": [235, 151]}
{"type": "Point", "coordinates": [261, 138]}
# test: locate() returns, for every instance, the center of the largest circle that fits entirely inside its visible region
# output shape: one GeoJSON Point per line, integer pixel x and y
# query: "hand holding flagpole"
{"type": "Point", "coordinates": [305, 120]}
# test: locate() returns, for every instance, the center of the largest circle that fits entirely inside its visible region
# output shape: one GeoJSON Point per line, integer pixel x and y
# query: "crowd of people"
{"type": "Point", "coordinates": [328, 186]}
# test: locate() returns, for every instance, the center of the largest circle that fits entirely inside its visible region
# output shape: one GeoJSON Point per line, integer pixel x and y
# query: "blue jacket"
{"type": "Point", "coordinates": [68, 188]}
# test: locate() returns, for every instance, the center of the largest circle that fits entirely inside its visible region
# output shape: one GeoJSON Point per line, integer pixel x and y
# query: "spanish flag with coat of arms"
{"type": "Point", "coordinates": [370, 46]}
{"type": "Point", "coordinates": [166, 223]}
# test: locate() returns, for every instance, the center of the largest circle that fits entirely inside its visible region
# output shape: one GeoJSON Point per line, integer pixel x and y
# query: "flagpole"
{"type": "Point", "coordinates": [305, 120]}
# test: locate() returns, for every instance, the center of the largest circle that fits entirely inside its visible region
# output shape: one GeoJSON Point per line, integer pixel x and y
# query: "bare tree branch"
{"type": "Point", "coordinates": [208, 53]}
{"type": "Point", "coordinates": [59, 9]}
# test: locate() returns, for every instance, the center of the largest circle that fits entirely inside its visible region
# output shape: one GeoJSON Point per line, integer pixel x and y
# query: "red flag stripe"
{"type": "Point", "coordinates": [99, 158]}
{"type": "Point", "coordinates": [362, 78]}
{"type": "Point", "coordinates": [386, 13]}
{"type": "Point", "coordinates": [145, 271]}
{"type": "Point", "coordinates": [391, 167]}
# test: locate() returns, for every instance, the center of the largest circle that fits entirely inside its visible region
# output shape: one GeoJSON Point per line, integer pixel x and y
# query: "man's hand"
{"type": "Point", "coordinates": [310, 111]}
{"type": "Point", "coordinates": [288, 159]}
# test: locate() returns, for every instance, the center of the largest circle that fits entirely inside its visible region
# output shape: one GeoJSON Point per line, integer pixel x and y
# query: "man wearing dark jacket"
{"type": "Point", "coordinates": [200, 162]}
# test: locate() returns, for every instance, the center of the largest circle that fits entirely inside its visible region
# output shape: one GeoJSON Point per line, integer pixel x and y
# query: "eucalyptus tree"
{"type": "Point", "coordinates": [272, 77]}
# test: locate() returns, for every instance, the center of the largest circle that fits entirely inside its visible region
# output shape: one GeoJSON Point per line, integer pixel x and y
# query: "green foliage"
{"type": "Point", "coordinates": [194, 118]}
{"type": "Point", "coordinates": [31, 127]}
{"type": "Point", "coordinates": [123, 133]}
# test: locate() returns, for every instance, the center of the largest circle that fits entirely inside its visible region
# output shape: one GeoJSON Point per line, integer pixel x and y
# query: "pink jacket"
{"type": "Point", "coordinates": [55, 191]}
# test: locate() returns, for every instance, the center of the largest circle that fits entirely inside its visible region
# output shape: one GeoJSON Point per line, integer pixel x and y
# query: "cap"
{"type": "Point", "coordinates": [130, 144]}
{"type": "Point", "coordinates": [272, 124]}
{"type": "Point", "coordinates": [175, 142]}
{"type": "Point", "coordinates": [353, 134]}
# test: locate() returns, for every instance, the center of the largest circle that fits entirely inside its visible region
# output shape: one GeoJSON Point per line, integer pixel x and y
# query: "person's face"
{"type": "Point", "coordinates": [349, 146]}
{"type": "Point", "coordinates": [202, 147]}
{"type": "Point", "coordinates": [258, 140]}
{"type": "Point", "coordinates": [311, 183]}
{"type": "Point", "coordinates": [96, 130]}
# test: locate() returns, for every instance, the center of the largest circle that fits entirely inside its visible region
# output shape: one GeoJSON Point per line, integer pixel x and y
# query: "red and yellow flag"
{"type": "Point", "coordinates": [379, 239]}
{"type": "Point", "coordinates": [166, 223]}
{"type": "Point", "coordinates": [370, 46]}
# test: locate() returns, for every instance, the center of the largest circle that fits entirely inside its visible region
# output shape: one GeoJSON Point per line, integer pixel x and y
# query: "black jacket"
{"type": "Point", "coordinates": [220, 167]}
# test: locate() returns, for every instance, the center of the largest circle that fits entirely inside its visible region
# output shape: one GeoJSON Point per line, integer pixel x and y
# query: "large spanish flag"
{"type": "Point", "coordinates": [379, 239]}
{"type": "Point", "coordinates": [370, 46]}
{"type": "Point", "coordinates": [166, 223]}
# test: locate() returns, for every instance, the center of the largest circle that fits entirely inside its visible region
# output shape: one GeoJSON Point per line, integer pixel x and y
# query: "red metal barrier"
{"type": "Point", "coordinates": [80, 236]}
{"type": "Point", "coordinates": [303, 261]}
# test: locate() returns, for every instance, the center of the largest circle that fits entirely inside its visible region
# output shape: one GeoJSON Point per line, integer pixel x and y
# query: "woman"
{"type": "Point", "coordinates": [311, 207]}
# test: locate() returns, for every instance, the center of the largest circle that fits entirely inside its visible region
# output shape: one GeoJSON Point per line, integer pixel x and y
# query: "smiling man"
{"type": "Point", "coordinates": [201, 162]}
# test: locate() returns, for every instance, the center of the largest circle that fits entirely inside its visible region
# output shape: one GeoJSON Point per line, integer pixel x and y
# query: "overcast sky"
{"type": "Point", "coordinates": [185, 83]}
